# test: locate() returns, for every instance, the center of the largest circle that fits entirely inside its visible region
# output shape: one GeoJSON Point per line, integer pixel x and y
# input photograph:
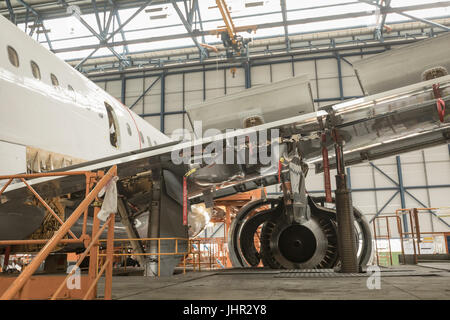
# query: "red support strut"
{"type": "Point", "coordinates": [440, 104]}
{"type": "Point", "coordinates": [326, 169]}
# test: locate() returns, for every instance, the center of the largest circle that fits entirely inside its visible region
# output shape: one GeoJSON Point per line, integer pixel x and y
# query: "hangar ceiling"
{"type": "Point", "coordinates": [99, 35]}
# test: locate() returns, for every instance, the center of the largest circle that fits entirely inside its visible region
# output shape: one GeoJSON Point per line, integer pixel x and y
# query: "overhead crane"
{"type": "Point", "coordinates": [236, 45]}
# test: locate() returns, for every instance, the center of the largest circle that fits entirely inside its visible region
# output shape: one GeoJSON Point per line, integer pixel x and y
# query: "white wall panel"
{"type": "Point", "coordinates": [315, 182]}
{"type": "Point", "coordinates": [413, 174]}
{"type": "Point", "coordinates": [305, 67]}
{"type": "Point", "coordinates": [152, 100]}
{"type": "Point", "coordinates": [439, 153]}
{"type": "Point", "coordinates": [171, 123]}
{"type": "Point", "coordinates": [133, 92]}
{"type": "Point", "coordinates": [365, 202]}
{"type": "Point", "coordinates": [361, 177]}
{"type": "Point", "coordinates": [235, 83]}
{"type": "Point", "coordinates": [114, 88]}
{"type": "Point", "coordinates": [346, 69]}
{"type": "Point", "coordinates": [102, 85]}
{"type": "Point", "coordinates": [173, 93]}
{"type": "Point", "coordinates": [214, 79]}
{"type": "Point", "coordinates": [214, 84]}
{"type": "Point", "coordinates": [260, 75]}
{"type": "Point", "coordinates": [327, 68]}
{"type": "Point", "coordinates": [281, 71]}
{"type": "Point", "coordinates": [194, 88]}
{"type": "Point", "coordinates": [329, 88]}
{"type": "Point", "coordinates": [438, 173]}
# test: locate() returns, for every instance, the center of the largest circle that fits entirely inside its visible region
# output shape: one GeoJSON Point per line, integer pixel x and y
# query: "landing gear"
{"type": "Point", "coordinates": [290, 245]}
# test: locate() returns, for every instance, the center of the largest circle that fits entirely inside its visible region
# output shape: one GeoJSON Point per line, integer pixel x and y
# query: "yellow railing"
{"type": "Point", "coordinates": [187, 253]}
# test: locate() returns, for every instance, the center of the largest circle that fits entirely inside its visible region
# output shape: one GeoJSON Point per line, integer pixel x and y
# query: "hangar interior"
{"type": "Point", "coordinates": [161, 57]}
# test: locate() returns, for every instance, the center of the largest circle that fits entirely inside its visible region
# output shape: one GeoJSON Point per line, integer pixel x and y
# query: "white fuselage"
{"type": "Point", "coordinates": [35, 114]}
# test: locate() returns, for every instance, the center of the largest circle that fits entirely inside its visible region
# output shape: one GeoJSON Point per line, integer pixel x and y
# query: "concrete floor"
{"type": "Point", "coordinates": [402, 282]}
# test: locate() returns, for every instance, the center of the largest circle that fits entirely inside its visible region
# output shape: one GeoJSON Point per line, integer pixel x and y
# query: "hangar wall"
{"type": "Point", "coordinates": [416, 179]}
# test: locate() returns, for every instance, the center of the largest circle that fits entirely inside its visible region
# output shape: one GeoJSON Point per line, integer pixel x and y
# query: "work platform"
{"type": "Point", "coordinates": [406, 282]}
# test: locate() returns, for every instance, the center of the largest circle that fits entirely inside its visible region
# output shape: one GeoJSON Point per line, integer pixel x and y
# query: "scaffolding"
{"type": "Point", "coordinates": [21, 287]}
{"type": "Point", "coordinates": [406, 225]}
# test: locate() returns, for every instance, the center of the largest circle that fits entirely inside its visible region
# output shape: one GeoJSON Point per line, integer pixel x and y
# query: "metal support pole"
{"type": "Point", "coordinates": [93, 256]}
{"type": "Point", "coordinates": [163, 102]}
{"type": "Point", "coordinates": [326, 170]}
{"type": "Point", "coordinates": [344, 214]}
{"type": "Point", "coordinates": [402, 191]}
{"type": "Point", "coordinates": [12, 17]}
{"type": "Point", "coordinates": [123, 88]}
{"type": "Point", "coordinates": [151, 266]}
{"type": "Point", "coordinates": [109, 257]}
{"type": "Point", "coordinates": [248, 78]}
{"type": "Point", "coordinates": [341, 85]}
{"type": "Point", "coordinates": [204, 83]}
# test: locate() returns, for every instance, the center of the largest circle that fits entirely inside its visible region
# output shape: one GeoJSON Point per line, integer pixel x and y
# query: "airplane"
{"type": "Point", "coordinates": [298, 230]}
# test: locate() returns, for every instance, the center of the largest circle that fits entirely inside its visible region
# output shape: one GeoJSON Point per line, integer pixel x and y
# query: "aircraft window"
{"type": "Point", "coordinates": [70, 88]}
{"type": "Point", "coordinates": [142, 137]}
{"type": "Point", "coordinates": [149, 141]}
{"type": "Point", "coordinates": [13, 56]}
{"type": "Point", "coordinates": [129, 129]}
{"type": "Point", "coordinates": [35, 69]}
{"type": "Point", "coordinates": [112, 125]}
{"type": "Point", "coordinates": [55, 81]}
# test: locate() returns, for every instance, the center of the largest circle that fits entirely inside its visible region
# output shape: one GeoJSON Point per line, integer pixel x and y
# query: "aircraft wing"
{"type": "Point", "coordinates": [381, 125]}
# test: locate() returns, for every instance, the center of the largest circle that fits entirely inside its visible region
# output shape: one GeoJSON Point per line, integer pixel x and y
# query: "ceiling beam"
{"type": "Point", "coordinates": [380, 27]}
{"type": "Point", "coordinates": [258, 26]}
{"type": "Point", "coordinates": [399, 11]}
{"type": "Point", "coordinates": [284, 15]}
{"type": "Point", "coordinates": [104, 43]}
{"type": "Point", "coordinates": [101, 38]}
{"type": "Point", "coordinates": [12, 17]}
{"type": "Point", "coordinates": [203, 52]}
{"type": "Point", "coordinates": [38, 20]}
{"type": "Point", "coordinates": [97, 16]}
